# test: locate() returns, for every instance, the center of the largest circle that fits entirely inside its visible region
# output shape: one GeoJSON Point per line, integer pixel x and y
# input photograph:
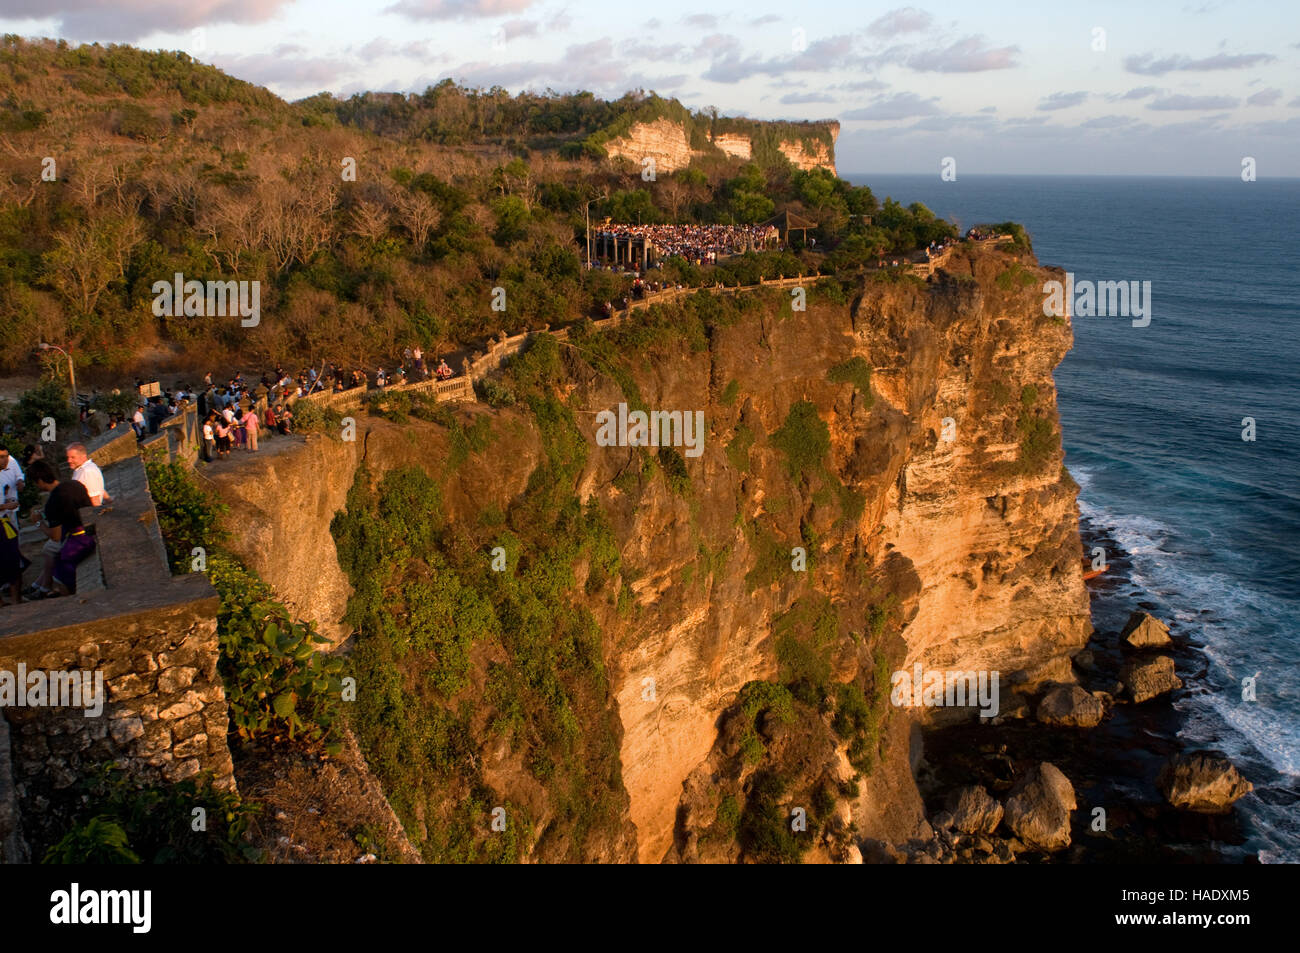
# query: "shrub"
{"type": "Point", "coordinates": [493, 393]}
{"type": "Point", "coordinates": [276, 681]}
{"type": "Point", "coordinates": [738, 448]}
{"type": "Point", "coordinates": [804, 438]}
{"type": "Point", "coordinates": [855, 371]}
{"type": "Point", "coordinates": [311, 416]}
{"type": "Point", "coordinates": [675, 473]}
{"type": "Point", "coordinates": [1037, 441]}
{"type": "Point", "coordinates": [118, 821]}
{"type": "Point", "coordinates": [188, 515]}
{"type": "Point", "coordinates": [765, 832]}
{"type": "Point", "coordinates": [47, 399]}
{"type": "Point", "coordinates": [756, 699]}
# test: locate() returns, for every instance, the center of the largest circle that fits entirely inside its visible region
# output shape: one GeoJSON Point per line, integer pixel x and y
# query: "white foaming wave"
{"type": "Point", "coordinates": [1136, 534]}
{"type": "Point", "coordinates": [1277, 742]}
{"type": "Point", "coordinates": [1266, 728]}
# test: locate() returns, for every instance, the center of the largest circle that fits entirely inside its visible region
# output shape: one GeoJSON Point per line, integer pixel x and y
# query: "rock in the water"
{"type": "Point", "coordinates": [1146, 678]}
{"type": "Point", "coordinates": [1204, 781]}
{"type": "Point", "coordinates": [1145, 631]}
{"type": "Point", "coordinates": [1055, 669]}
{"type": "Point", "coordinates": [974, 810]}
{"type": "Point", "coordinates": [1070, 705]}
{"type": "Point", "coordinates": [1038, 810]}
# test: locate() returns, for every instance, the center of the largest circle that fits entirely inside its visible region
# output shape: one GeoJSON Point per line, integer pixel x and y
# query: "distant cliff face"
{"type": "Point", "coordinates": [667, 143]}
{"type": "Point", "coordinates": [662, 140]}
{"type": "Point", "coordinates": [803, 156]}
{"type": "Point", "coordinates": [938, 523]}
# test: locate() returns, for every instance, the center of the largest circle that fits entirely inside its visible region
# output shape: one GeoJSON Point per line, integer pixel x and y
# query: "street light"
{"type": "Point", "coordinates": [586, 214]}
{"type": "Point", "coordinates": [72, 374]}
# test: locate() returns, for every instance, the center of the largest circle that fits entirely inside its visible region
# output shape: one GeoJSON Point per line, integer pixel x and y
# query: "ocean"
{"type": "Point", "coordinates": [1153, 420]}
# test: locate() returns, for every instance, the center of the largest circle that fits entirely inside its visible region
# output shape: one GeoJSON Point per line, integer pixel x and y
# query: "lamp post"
{"type": "Point", "coordinates": [586, 214]}
{"type": "Point", "coordinates": [72, 374]}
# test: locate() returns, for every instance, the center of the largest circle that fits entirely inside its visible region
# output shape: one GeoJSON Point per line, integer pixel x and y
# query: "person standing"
{"type": "Point", "coordinates": [222, 430]}
{"type": "Point", "coordinates": [11, 484]}
{"type": "Point", "coordinates": [209, 439]}
{"type": "Point", "coordinates": [12, 562]}
{"type": "Point", "coordinates": [251, 426]}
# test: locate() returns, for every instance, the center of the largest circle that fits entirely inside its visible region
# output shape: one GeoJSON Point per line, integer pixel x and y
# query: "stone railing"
{"type": "Point", "coordinates": [179, 437]}
{"type": "Point", "coordinates": [503, 347]}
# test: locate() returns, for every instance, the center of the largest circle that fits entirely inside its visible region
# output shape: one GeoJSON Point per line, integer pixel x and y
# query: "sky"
{"type": "Point", "coordinates": [1186, 87]}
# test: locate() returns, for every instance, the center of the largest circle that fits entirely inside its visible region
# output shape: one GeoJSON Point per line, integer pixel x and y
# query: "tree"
{"type": "Point", "coordinates": [370, 219]}
{"type": "Point", "coordinates": [418, 215]}
{"type": "Point", "coordinates": [81, 263]}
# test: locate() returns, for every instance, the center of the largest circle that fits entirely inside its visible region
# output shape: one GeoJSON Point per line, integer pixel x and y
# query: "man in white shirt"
{"type": "Point", "coordinates": [86, 472]}
{"type": "Point", "coordinates": [11, 484]}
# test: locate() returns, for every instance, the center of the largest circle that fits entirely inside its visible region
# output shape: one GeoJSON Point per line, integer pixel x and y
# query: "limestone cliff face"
{"type": "Point", "coordinates": [734, 144]}
{"type": "Point", "coordinates": [667, 143]}
{"type": "Point", "coordinates": [961, 552]}
{"type": "Point", "coordinates": [803, 157]}
{"type": "Point", "coordinates": [663, 140]}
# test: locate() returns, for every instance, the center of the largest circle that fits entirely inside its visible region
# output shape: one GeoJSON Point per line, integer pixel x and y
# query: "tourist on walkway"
{"type": "Point", "coordinates": [86, 471]}
{"type": "Point", "coordinates": [251, 426]}
{"type": "Point", "coordinates": [67, 543]}
{"type": "Point", "coordinates": [12, 483]}
{"type": "Point", "coordinates": [209, 439]}
{"type": "Point", "coordinates": [12, 561]}
{"type": "Point", "coordinates": [223, 437]}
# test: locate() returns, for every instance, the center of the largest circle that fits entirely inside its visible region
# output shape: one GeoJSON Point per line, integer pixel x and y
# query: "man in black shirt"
{"type": "Point", "coordinates": [68, 543]}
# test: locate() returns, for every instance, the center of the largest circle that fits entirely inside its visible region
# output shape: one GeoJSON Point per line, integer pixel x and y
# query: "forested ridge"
{"type": "Point", "coordinates": [122, 167]}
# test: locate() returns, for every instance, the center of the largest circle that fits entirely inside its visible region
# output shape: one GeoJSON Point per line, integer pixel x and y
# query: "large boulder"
{"type": "Point", "coordinates": [1146, 678]}
{"type": "Point", "coordinates": [1204, 781]}
{"type": "Point", "coordinates": [1145, 631]}
{"type": "Point", "coordinates": [1070, 705]}
{"type": "Point", "coordinates": [1038, 810]}
{"type": "Point", "coordinates": [1055, 669]}
{"type": "Point", "coordinates": [974, 810]}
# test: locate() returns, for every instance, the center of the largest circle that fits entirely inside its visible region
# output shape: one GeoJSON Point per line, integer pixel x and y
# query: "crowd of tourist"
{"type": "Point", "coordinates": [238, 414]}
{"type": "Point", "coordinates": [235, 415]}
{"type": "Point", "coordinates": [701, 244]}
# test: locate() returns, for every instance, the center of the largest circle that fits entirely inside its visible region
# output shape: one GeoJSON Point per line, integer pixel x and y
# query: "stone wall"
{"type": "Point", "coordinates": [13, 849]}
{"type": "Point", "coordinates": [164, 718]}
{"type": "Point", "coordinates": [151, 640]}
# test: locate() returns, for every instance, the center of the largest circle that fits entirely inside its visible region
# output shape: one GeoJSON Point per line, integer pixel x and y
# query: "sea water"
{"type": "Point", "coordinates": [1153, 418]}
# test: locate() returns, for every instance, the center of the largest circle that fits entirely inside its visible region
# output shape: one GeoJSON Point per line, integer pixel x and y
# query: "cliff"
{"type": "Point", "coordinates": [903, 433]}
{"type": "Point", "coordinates": [669, 143]}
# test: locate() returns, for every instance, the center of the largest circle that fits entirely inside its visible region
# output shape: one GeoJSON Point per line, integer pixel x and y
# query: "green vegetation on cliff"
{"type": "Point", "coordinates": [453, 656]}
{"type": "Point", "coordinates": [278, 683]}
